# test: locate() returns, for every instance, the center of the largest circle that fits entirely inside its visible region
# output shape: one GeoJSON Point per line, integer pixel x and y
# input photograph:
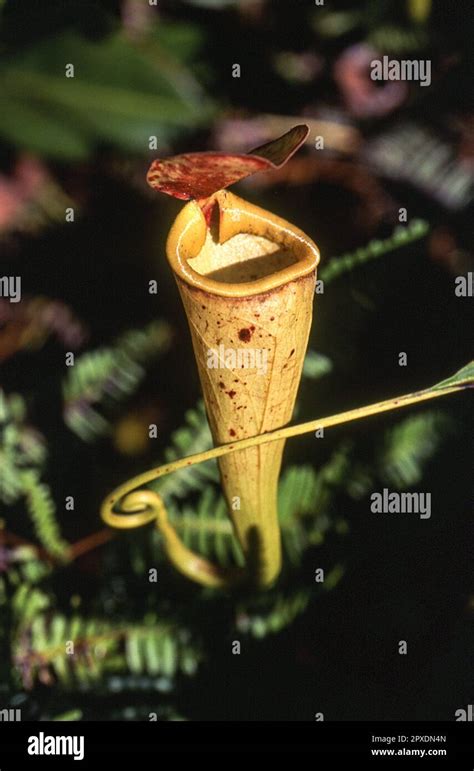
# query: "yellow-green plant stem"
{"type": "Point", "coordinates": [144, 506]}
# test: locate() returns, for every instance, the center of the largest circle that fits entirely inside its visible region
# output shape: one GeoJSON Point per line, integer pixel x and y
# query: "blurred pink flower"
{"type": "Point", "coordinates": [19, 188]}
{"type": "Point", "coordinates": [363, 97]}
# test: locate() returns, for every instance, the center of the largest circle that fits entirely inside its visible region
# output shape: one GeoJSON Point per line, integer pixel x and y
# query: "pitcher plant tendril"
{"type": "Point", "coordinates": [246, 279]}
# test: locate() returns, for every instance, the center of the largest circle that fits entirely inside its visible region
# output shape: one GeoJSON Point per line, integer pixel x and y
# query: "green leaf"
{"type": "Point", "coordinates": [41, 130]}
{"type": "Point", "coordinates": [117, 95]}
{"type": "Point", "coordinates": [183, 40]}
{"type": "Point", "coordinates": [463, 377]}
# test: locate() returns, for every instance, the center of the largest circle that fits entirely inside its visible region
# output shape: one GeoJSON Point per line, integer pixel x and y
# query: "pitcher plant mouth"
{"type": "Point", "coordinates": [245, 251]}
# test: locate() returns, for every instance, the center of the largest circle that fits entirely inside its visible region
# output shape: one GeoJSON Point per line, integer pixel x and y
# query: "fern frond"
{"type": "Point", "coordinates": [304, 511]}
{"type": "Point", "coordinates": [401, 456]}
{"type": "Point", "coordinates": [20, 447]}
{"type": "Point", "coordinates": [141, 345]}
{"type": "Point", "coordinates": [409, 445]}
{"type": "Point", "coordinates": [270, 614]}
{"type": "Point", "coordinates": [22, 457]}
{"type": "Point", "coordinates": [78, 652]}
{"type": "Point", "coordinates": [400, 237]}
{"type": "Point", "coordinates": [207, 529]}
{"type": "Point", "coordinates": [10, 479]}
{"type": "Point", "coordinates": [360, 480]}
{"type": "Point", "coordinates": [411, 152]}
{"type": "Point", "coordinates": [107, 376]}
{"type": "Point", "coordinates": [193, 437]}
{"type": "Point", "coordinates": [20, 566]}
{"type": "Point", "coordinates": [27, 603]}
{"type": "Point", "coordinates": [203, 527]}
{"type": "Point", "coordinates": [42, 510]}
{"type": "Point", "coordinates": [304, 503]}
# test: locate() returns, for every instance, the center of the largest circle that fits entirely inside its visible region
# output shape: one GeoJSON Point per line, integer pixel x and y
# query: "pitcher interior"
{"type": "Point", "coordinates": [244, 257]}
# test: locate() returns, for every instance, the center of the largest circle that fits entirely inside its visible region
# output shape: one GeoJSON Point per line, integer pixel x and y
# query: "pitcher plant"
{"type": "Point", "coordinates": [246, 278]}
